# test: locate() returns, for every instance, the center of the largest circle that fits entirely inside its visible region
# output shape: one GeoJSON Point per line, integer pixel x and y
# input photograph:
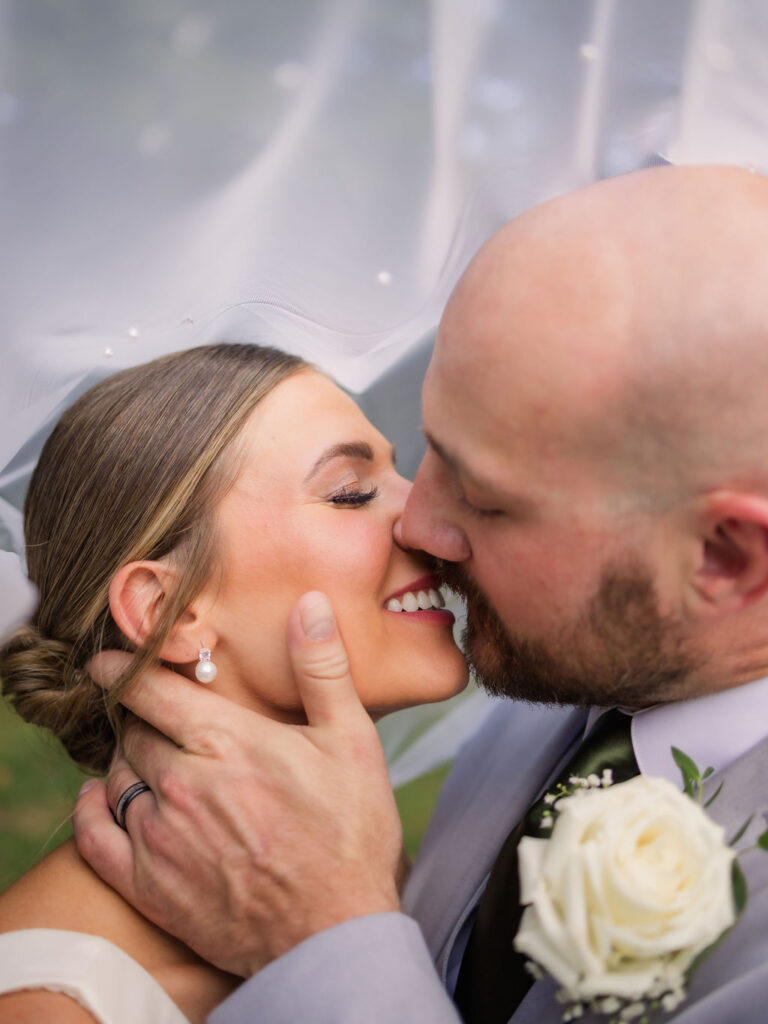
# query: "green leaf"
{"type": "Point", "coordinates": [741, 831]}
{"type": "Point", "coordinates": [739, 883]}
{"type": "Point", "coordinates": [762, 841]}
{"type": "Point", "coordinates": [707, 772]}
{"type": "Point", "coordinates": [687, 766]}
{"type": "Point", "coordinates": [715, 795]}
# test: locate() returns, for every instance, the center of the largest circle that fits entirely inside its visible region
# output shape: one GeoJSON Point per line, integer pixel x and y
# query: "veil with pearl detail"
{"type": "Point", "coordinates": [315, 174]}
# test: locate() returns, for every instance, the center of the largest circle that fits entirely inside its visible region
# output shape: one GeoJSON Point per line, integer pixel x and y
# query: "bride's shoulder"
{"type": "Point", "coordinates": [31, 1007]}
{"type": "Point", "coordinates": [62, 892]}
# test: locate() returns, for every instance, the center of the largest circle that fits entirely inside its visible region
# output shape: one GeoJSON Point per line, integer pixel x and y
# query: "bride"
{"type": "Point", "coordinates": [178, 511]}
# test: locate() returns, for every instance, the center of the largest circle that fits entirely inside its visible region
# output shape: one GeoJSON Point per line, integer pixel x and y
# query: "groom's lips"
{"type": "Point", "coordinates": [437, 616]}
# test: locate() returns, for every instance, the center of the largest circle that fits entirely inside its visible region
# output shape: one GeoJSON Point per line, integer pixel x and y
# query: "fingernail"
{"type": "Point", "coordinates": [106, 667]}
{"type": "Point", "coordinates": [87, 785]}
{"type": "Point", "coordinates": [316, 616]}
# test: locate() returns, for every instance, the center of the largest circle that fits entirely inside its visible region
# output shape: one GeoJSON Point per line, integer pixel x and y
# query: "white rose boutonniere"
{"type": "Point", "coordinates": [634, 883]}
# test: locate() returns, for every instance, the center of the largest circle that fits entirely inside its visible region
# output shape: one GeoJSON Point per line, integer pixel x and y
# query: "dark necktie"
{"type": "Point", "coordinates": [493, 980]}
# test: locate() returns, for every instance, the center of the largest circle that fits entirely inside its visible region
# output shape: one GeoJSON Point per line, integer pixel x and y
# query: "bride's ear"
{"type": "Point", "coordinates": [137, 597]}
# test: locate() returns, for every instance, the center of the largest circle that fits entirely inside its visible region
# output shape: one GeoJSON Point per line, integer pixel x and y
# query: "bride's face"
{"type": "Point", "coordinates": [313, 509]}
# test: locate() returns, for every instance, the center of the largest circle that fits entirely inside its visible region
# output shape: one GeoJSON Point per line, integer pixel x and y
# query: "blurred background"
{"type": "Point", "coordinates": [313, 174]}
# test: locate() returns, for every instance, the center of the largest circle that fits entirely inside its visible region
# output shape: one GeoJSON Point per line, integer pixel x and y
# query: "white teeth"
{"type": "Point", "coordinates": [413, 601]}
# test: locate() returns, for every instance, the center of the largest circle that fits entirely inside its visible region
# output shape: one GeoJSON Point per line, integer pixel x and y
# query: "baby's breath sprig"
{"type": "Point", "coordinates": [575, 786]}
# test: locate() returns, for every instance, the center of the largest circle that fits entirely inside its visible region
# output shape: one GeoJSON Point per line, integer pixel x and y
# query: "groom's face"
{"type": "Point", "coordinates": [570, 598]}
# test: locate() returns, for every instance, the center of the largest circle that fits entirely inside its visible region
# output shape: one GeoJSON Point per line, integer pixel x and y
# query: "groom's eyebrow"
{"type": "Point", "coordinates": [516, 506]}
{"type": "Point", "coordinates": [453, 462]}
{"type": "Point", "coordinates": [343, 450]}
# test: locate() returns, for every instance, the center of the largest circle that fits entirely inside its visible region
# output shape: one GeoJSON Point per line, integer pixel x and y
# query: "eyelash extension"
{"type": "Point", "coordinates": [353, 498]}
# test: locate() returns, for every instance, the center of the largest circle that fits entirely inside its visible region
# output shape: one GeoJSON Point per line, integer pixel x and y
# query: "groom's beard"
{"type": "Point", "coordinates": [620, 651]}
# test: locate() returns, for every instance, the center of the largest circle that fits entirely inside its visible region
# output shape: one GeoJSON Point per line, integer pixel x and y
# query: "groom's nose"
{"type": "Point", "coordinates": [428, 522]}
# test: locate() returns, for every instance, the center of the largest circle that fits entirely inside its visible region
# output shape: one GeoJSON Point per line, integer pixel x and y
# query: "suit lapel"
{"type": "Point", "coordinates": [494, 780]}
{"type": "Point", "coordinates": [744, 793]}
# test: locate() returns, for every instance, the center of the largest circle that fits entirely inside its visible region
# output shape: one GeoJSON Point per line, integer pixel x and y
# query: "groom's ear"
{"type": "Point", "coordinates": [137, 598]}
{"type": "Point", "coordinates": [731, 570]}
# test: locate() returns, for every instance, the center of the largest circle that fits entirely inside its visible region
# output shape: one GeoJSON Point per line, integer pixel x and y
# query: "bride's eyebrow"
{"type": "Point", "coordinates": [346, 449]}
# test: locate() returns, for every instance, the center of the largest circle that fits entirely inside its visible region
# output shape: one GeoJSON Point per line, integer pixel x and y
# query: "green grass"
{"type": "Point", "coordinates": [415, 801]}
{"type": "Point", "coordinates": [38, 786]}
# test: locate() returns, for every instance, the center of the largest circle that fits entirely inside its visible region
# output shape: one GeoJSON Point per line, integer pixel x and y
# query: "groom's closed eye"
{"type": "Point", "coordinates": [477, 496]}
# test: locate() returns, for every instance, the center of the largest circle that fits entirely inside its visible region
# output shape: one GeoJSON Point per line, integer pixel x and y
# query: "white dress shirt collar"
{"type": "Point", "coordinates": [714, 730]}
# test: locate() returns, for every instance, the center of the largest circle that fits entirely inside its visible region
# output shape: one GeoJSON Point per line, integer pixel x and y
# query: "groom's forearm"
{"type": "Point", "coordinates": [375, 968]}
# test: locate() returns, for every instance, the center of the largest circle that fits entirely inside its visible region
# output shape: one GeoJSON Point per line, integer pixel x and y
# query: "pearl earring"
{"type": "Point", "coordinates": [205, 670]}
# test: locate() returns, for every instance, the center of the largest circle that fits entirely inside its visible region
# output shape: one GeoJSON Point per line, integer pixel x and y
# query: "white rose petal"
{"type": "Point", "coordinates": [529, 940]}
{"type": "Point", "coordinates": [575, 918]}
{"type": "Point", "coordinates": [530, 854]}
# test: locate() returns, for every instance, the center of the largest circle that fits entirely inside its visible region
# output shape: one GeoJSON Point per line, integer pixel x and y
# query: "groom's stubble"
{"type": "Point", "coordinates": [620, 650]}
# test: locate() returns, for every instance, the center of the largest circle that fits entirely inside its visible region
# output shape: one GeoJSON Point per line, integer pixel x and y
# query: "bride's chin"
{"type": "Point", "coordinates": [423, 698]}
{"type": "Point", "coordinates": [432, 691]}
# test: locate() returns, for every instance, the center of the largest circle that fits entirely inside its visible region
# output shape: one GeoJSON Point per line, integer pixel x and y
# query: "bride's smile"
{"type": "Point", "coordinates": [421, 601]}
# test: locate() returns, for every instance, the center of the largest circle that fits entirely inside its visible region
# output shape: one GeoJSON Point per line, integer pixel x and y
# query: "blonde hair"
{"type": "Point", "coordinates": [132, 470]}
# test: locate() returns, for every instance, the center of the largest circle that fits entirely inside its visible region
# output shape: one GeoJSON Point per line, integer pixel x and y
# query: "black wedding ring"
{"type": "Point", "coordinates": [125, 799]}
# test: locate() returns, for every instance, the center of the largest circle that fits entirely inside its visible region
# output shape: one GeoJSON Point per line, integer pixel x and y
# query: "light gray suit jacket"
{"type": "Point", "coordinates": [381, 968]}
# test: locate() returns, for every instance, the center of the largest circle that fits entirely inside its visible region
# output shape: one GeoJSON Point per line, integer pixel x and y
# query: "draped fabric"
{"type": "Point", "coordinates": [314, 174]}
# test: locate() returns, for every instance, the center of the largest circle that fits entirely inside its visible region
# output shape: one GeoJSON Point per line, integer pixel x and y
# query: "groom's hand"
{"type": "Point", "coordinates": [256, 834]}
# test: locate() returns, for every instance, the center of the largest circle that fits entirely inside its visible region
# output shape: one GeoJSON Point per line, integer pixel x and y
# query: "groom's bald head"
{"type": "Point", "coordinates": [600, 374]}
{"type": "Point", "coordinates": [632, 316]}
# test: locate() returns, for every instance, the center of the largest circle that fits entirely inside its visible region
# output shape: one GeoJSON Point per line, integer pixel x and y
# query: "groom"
{"type": "Point", "coordinates": [596, 481]}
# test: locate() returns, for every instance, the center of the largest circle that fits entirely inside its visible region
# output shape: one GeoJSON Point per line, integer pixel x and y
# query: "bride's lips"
{"type": "Point", "coordinates": [429, 587]}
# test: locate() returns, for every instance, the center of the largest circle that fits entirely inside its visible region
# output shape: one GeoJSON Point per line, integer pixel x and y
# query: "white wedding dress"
{"type": "Point", "coordinates": [111, 985]}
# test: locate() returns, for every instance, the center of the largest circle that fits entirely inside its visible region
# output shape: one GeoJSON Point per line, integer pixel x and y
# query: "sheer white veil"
{"type": "Point", "coordinates": [315, 174]}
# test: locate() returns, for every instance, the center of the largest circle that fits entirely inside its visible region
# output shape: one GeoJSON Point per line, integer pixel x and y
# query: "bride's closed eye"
{"type": "Point", "coordinates": [352, 496]}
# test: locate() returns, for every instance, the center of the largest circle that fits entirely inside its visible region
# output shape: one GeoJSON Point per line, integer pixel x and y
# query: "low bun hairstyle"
{"type": "Point", "coordinates": [133, 470]}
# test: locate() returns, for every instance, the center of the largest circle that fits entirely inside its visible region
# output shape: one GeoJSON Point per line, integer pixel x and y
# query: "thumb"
{"type": "Point", "coordinates": [320, 664]}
